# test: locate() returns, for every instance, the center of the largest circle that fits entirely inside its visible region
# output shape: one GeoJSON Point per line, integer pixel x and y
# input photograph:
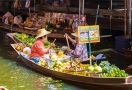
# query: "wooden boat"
{"type": "Point", "coordinates": [128, 52]}
{"type": "Point", "coordinates": [93, 79]}
{"type": "Point", "coordinates": [33, 31]}
{"type": "Point", "coordinates": [97, 59]}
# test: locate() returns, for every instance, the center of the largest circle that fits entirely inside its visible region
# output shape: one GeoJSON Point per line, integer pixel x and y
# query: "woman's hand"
{"type": "Point", "coordinates": [69, 50]}
{"type": "Point", "coordinates": [51, 45]}
{"type": "Point", "coordinates": [66, 35]}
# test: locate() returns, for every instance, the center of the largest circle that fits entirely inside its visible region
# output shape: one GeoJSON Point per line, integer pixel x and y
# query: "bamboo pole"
{"type": "Point", "coordinates": [89, 45]}
{"type": "Point", "coordinates": [67, 41]}
{"type": "Point", "coordinates": [97, 14]}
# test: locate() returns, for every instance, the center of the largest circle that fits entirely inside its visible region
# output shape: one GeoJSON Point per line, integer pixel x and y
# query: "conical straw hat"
{"type": "Point", "coordinates": [8, 14]}
{"type": "Point", "coordinates": [75, 34]}
{"type": "Point", "coordinates": [41, 32]}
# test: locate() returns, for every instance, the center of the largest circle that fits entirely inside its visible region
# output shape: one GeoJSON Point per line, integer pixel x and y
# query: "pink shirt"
{"type": "Point", "coordinates": [38, 49]}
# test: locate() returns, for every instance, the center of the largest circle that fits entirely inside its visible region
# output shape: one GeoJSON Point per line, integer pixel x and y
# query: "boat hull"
{"type": "Point", "coordinates": [120, 82]}
{"type": "Point", "coordinates": [128, 53]}
{"type": "Point", "coordinates": [115, 82]}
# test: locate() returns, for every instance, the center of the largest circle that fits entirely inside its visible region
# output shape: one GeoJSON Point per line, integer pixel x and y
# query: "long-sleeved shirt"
{"type": "Point", "coordinates": [38, 49]}
{"type": "Point", "coordinates": [17, 20]}
{"type": "Point", "coordinates": [80, 51]}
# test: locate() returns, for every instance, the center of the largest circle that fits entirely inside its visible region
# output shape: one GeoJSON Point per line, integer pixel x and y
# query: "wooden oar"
{"type": "Point", "coordinates": [67, 41]}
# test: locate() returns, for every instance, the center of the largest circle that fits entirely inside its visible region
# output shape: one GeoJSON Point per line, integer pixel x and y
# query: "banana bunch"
{"type": "Point", "coordinates": [60, 53]}
{"type": "Point", "coordinates": [42, 62]}
{"type": "Point", "coordinates": [92, 57]}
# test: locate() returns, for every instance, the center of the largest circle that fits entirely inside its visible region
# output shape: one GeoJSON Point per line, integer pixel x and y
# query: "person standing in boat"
{"type": "Point", "coordinates": [80, 50]}
{"type": "Point", "coordinates": [38, 49]}
{"type": "Point", "coordinates": [18, 19]}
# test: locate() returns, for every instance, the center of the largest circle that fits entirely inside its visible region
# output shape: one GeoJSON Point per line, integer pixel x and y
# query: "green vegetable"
{"type": "Point", "coordinates": [46, 43]}
{"type": "Point", "coordinates": [90, 68]}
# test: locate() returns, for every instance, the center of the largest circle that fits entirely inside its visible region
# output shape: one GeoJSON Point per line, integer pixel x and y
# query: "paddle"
{"type": "Point", "coordinates": [54, 41]}
{"type": "Point", "coordinates": [67, 41]}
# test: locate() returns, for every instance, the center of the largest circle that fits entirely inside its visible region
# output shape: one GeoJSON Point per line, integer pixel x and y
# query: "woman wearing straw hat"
{"type": "Point", "coordinates": [80, 50]}
{"type": "Point", "coordinates": [38, 49]}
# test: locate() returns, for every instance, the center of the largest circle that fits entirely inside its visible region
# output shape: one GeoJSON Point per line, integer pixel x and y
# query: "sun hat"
{"type": "Point", "coordinates": [75, 34]}
{"type": "Point", "coordinates": [8, 14]}
{"type": "Point", "coordinates": [41, 32]}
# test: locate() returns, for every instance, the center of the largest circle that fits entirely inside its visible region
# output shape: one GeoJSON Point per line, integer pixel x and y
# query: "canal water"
{"type": "Point", "coordinates": [14, 75]}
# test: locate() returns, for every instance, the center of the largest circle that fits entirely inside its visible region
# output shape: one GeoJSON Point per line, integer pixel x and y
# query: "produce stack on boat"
{"type": "Point", "coordinates": [57, 60]}
{"type": "Point", "coordinates": [33, 22]}
{"type": "Point", "coordinates": [75, 67]}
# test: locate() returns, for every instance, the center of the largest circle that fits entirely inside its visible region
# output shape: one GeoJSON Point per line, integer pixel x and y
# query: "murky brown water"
{"type": "Point", "coordinates": [16, 76]}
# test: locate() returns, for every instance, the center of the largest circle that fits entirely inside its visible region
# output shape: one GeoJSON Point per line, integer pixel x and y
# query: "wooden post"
{"type": "Point", "coordinates": [125, 1]}
{"type": "Point", "coordinates": [111, 4]}
{"type": "Point", "coordinates": [41, 6]}
{"type": "Point", "coordinates": [82, 7]}
{"type": "Point", "coordinates": [97, 14]}
{"type": "Point", "coordinates": [128, 17]}
{"type": "Point", "coordinates": [14, 8]}
{"type": "Point", "coordinates": [79, 8]}
{"type": "Point", "coordinates": [34, 6]}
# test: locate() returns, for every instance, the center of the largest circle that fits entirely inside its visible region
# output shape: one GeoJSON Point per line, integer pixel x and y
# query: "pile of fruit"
{"type": "Point", "coordinates": [68, 66]}
{"type": "Point", "coordinates": [104, 69]}
{"type": "Point", "coordinates": [29, 40]}
{"type": "Point", "coordinates": [109, 70]}
{"type": "Point", "coordinates": [25, 38]}
{"type": "Point", "coordinates": [29, 23]}
{"type": "Point", "coordinates": [19, 47]}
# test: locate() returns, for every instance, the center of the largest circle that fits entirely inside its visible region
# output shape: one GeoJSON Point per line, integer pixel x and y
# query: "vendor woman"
{"type": "Point", "coordinates": [80, 50]}
{"type": "Point", "coordinates": [38, 49]}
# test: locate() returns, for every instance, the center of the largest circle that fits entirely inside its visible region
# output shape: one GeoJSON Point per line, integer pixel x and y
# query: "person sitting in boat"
{"type": "Point", "coordinates": [28, 22]}
{"type": "Point", "coordinates": [80, 50]}
{"type": "Point", "coordinates": [7, 21]}
{"type": "Point", "coordinates": [34, 18]}
{"type": "Point", "coordinates": [18, 19]}
{"type": "Point", "coordinates": [38, 49]}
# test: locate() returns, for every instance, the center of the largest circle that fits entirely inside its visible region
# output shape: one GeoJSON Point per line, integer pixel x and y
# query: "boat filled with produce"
{"type": "Point", "coordinates": [58, 64]}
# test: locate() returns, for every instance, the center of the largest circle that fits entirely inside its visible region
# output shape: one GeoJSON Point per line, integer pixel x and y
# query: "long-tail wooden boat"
{"type": "Point", "coordinates": [128, 53]}
{"type": "Point", "coordinates": [98, 58]}
{"type": "Point", "coordinates": [33, 31]}
{"type": "Point", "coordinates": [124, 82]}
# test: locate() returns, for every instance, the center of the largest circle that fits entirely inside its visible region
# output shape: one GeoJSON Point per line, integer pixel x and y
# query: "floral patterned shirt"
{"type": "Point", "coordinates": [80, 51]}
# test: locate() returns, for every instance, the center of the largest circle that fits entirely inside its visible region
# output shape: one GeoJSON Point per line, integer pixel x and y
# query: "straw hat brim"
{"type": "Point", "coordinates": [42, 32]}
{"type": "Point", "coordinates": [74, 34]}
{"type": "Point", "coordinates": [8, 14]}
